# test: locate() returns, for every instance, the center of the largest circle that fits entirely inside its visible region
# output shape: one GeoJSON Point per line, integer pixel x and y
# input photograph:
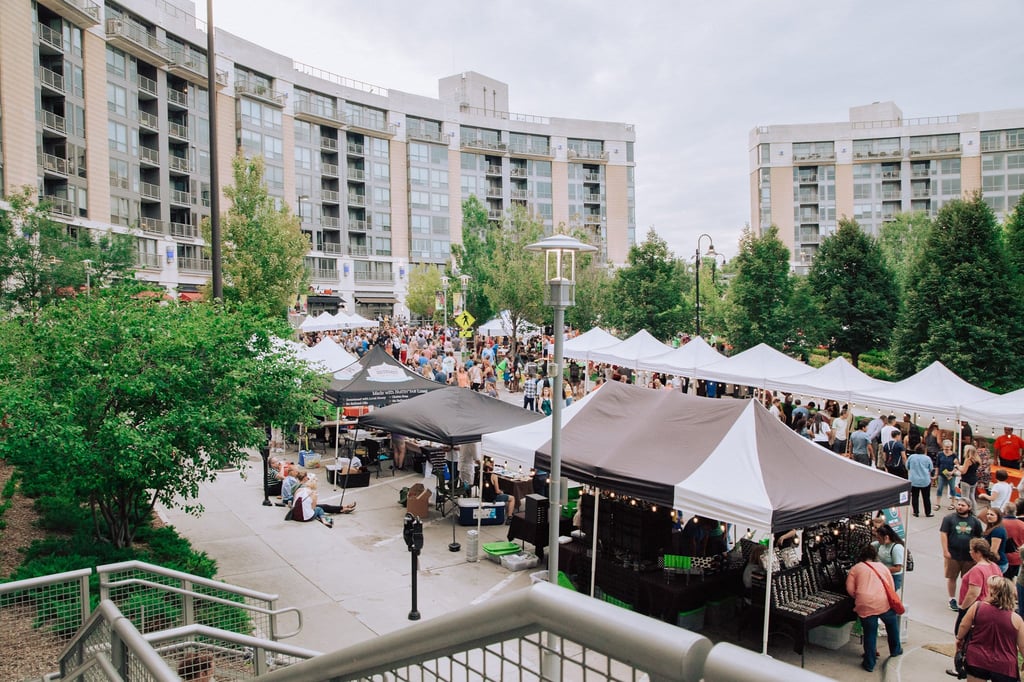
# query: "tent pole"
{"type": "Point", "coordinates": [337, 439]}
{"type": "Point", "coordinates": [593, 544]}
{"type": "Point", "coordinates": [479, 461]}
{"type": "Point", "coordinates": [768, 592]}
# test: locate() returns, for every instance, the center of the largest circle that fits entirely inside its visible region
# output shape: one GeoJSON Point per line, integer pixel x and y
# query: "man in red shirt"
{"type": "Point", "coordinates": [1009, 446]}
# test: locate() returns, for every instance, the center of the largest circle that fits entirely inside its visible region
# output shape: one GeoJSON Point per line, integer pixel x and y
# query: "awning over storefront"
{"type": "Point", "coordinates": [376, 299]}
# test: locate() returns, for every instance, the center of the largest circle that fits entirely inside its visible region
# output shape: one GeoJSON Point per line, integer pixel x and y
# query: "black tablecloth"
{"type": "Point", "coordinates": [535, 533]}
{"type": "Point", "coordinates": [796, 626]}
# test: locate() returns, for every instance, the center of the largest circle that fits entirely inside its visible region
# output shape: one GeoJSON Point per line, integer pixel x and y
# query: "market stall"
{"type": "Point", "coordinates": [685, 361]}
{"type": "Point", "coordinates": [380, 380]}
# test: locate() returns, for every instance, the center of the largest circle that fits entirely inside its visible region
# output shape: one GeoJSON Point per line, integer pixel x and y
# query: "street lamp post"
{"type": "Point", "coordinates": [88, 276]}
{"type": "Point", "coordinates": [696, 273]}
{"type": "Point", "coordinates": [445, 281]}
{"type": "Point", "coordinates": [464, 281]}
{"type": "Point", "coordinates": [560, 276]}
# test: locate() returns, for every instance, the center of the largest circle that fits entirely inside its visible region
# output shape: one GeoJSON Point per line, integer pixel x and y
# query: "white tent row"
{"type": "Point", "coordinates": [325, 322]}
{"type": "Point", "coordinates": [518, 445]}
{"type": "Point", "coordinates": [326, 357]}
{"type": "Point", "coordinates": [502, 326]}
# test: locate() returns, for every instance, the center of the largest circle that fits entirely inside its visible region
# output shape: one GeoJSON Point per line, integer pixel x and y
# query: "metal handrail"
{"type": "Point", "coordinates": [205, 633]}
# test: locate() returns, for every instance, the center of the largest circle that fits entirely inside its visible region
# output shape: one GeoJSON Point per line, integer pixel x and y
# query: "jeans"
{"type": "Point", "coordinates": [892, 632]}
{"type": "Point", "coordinates": [926, 493]}
{"type": "Point", "coordinates": [529, 404]}
{"type": "Point", "coordinates": [949, 484]}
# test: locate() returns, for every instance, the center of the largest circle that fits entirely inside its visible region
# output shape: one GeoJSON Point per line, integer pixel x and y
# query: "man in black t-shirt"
{"type": "Point", "coordinates": [955, 533]}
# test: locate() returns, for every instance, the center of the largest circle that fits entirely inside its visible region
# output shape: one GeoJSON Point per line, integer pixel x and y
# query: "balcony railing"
{"type": "Point", "coordinates": [432, 136]}
{"type": "Point", "coordinates": [260, 91]}
{"type": "Point", "coordinates": [592, 220]}
{"type": "Point", "coordinates": [134, 38]}
{"type": "Point", "coordinates": [592, 177]}
{"type": "Point", "coordinates": [147, 85]}
{"type": "Point", "coordinates": [811, 179]}
{"type": "Point", "coordinates": [357, 174]}
{"type": "Point", "coordinates": [330, 196]}
{"type": "Point", "coordinates": [495, 215]}
{"type": "Point", "coordinates": [177, 97]}
{"type": "Point", "coordinates": [305, 109]}
{"type": "Point", "coordinates": [479, 143]}
{"type": "Point", "coordinates": [357, 200]}
{"type": "Point", "coordinates": [891, 194]}
{"type": "Point", "coordinates": [517, 172]}
{"type": "Point", "coordinates": [332, 247]}
{"type": "Point", "coordinates": [325, 274]}
{"type": "Point", "coordinates": [149, 120]}
{"type": "Point", "coordinates": [148, 261]}
{"type": "Point", "coordinates": [367, 123]}
{"type": "Point", "coordinates": [330, 169]}
{"type": "Point", "coordinates": [53, 164]}
{"type": "Point", "coordinates": [177, 130]}
{"type": "Point", "coordinates": [48, 36]}
{"type": "Point", "coordinates": [149, 190]}
{"type": "Point", "coordinates": [51, 79]}
{"type": "Point", "coordinates": [381, 277]}
{"type": "Point", "coordinates": [181, 197]}
{"type": "Point", "coordinates": [494, 170]}
{"type": "Point", "coordinates": [921, 192]}
{"type": "Point", "coordinates": [60, 205]}
{"type": "Point", "coordinates": [178, 163]}
{"type": "Point", "coordinates": [183, 230]}
{"type": "Point", "coordinates": [53, 122]}
{"type": "Point", "coordinates": [329, 221]}
{"type": "Point", "coordinates": [592, 198]}
{"type": "Point", "coordinates": [82, 13]}
{"type": "Point", "coordinates": [190, 65]}
{"type": "Point", "coordinates": [520, 194]}
{"type": "Point", "coordinates": [891, 174]}
{"type": "Point", "coordinates": [494, 192]}
{"type": "Point", "coordinates": [150, 155]}
{"type": "Point", "coordinates": [529, 149]}
{"type": "Point", "coordinates": [586, 153]}
{"type": "Point", "coordinates": [355, 148]}
{"type": "Point", "coordinates": [358, 225]}
{"type": "Point", "coordinates": [328, 143]}
{"type": "Point", "coordinates": [190, 264]}
{"type": "Point", "coordinates": [358, 250]}
{"type": "Point", "coordinates": [152, 226]}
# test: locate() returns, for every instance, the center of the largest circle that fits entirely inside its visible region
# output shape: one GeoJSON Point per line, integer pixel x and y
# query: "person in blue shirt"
{"type": "Point", "coordinates": [921, 471]}
{"type": "Point", "coordinates": [948, 466]}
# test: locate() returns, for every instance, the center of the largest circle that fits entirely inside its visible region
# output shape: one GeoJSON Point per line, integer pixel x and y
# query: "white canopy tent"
{"type": "Point", "coordinates": [753, 367]}
{"type": "Point", "coordinates": [581, 347]}
{"type": "Point", "coordinates": [933, 392]}
{"type": "Point", "coordinates": [838, 380]}
{"type": "Point", "coordinates": [518, 445]}
{"type": "Point", "coordinates": [630, 352]}
{"type": "Point", "coordinates": [321, 323]}
{"type": "Point", "coordinates": [502, 326]}
{"type": "Point", "coordinates": [685, 361]}
{"type": "Point", "coordinates": [327, 356]}
{"type": "Point", "coordinates": [1003, 410]}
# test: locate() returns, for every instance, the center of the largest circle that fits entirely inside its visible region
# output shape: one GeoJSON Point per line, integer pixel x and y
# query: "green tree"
{"type": "Point", "coordinates": [1013, 230]}
{"type": "Point", "coordinates": [810, 325]}
{"type": "Point", "coordinates": [116, 403]}
{"type": "Point", "coordinates": [648, 291]}
{"type": "Point", "coordinates": [962, 307]}
{"type": "Point", "coordinates": [901, 240]}
{"type": "Point", "coordinates": [593, 294]}
{"type": "Point", "coordinates": [856, 290]}
{"type": "Point", "coordinates": [514, 277]}
{"type": "Point", "coordinates": [424, 283]}
{"type": "Point", "coordinates": [473, 256]}
{"type": "Point", "coordinates": [40, 260]}
{"type": "Point", "coordinates": [263, 247]}
{"type": "Point", "coordinates": [758, 297]}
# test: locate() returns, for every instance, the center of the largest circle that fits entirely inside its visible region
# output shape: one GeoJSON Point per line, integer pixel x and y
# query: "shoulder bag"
{"type": "Point", "coordinates": [894, 599]}
{"type": "Point", "coordinates": [960, 657]}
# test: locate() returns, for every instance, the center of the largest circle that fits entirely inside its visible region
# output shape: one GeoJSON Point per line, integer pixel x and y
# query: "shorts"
{"type": "Point", "coordinates": [956, 569]}
{"type": "Point", "coordinates": [983, 674]}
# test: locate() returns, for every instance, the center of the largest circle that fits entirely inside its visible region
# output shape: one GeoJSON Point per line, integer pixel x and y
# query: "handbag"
{"type": "Point", "coordinates": [894, 599]}
{"type": "Point", "coordinates": [960, 657]}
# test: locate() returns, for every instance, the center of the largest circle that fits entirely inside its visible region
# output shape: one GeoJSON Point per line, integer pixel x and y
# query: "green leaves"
{"type": "Point", "coordinates": [759, 294]}
{"type": "Point", "coordinates": [648, 291]}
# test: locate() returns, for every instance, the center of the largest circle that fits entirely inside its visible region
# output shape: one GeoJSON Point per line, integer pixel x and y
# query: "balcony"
{"type": "Point", "coordinates": [260, 91]}
{"type": "Point", "coordinates": [495, 215]}
{"type": "Point", "coordinates": [921, 192]}
{"type": "Point", "coordinates": [517, 171]}
{"type": "Point", "coordinates": [592, 220]}
{"type": "Point", "coordinates": [935, 150]}
{"type": "Point", "coordinates": [357, 200]}
{"type": "Point", "coordinates": [53, 165]}
{"type": "Point", "coordinates": [177, 98]}
{"type": "Point", "coordinates": [50, 38]}
{"type": "Point", "coordinates": [51, 80]}
{"type": "Point", "coordinates": [529, 150]}
{"type": "Point", "coordinates": [370, 125]}
{"type": "Point", "coordinates": [190, 65]}
{"type": "Point", "coordinates": [325, 274]}
{"type": "Point", "coordinates": [329, 196]}
{"type": "Point", "coordinates": [891, 175]}
{"type": "Point", "coordinates": [82, 13]}
{"type": "Point", "coordinates": [592, 198]}
{"type": "Point", "coordinates": [190, 264]}
{"type": "Point", "coordinates": [153, 226]}
{"type": "Point", "coordinates": [807, 197]}
{"type": "Point", "coordinates": [146, 85]}
{"type": "Point", "coordinates": [356, 174]}
{"type": "Point", "coordinates": [493, 170]}
{"type": "Point", "coordinates": [329, 169]}
{"type": "Point", "coordinates": [494, 192]}
{"type": "Point", "coordinates": [330, 221]}
{"type": "Point", "coordinates": [119, 182]}
{"type": "Point", "coordinates": [332, 247]}
{"type": "Point", "coordinates": [430, 136]}
{"type": "Point", "coordinates": [181, 197]}
{"type": "Point", "coordinates": [891, 194]}
{"type": "Point", "coordinates": [313, 112]}
{"type": "Point", "coordinates": [358, 225]}
{"type": "Point", "coordinates": [521, 194]}
{"type": "Point", "coordinates": [60, 205]}
{"type": "Point", "coordinates": [808, 179]}
{"type": "Point", "coordinates": [179, 164]}
{"type": "Point", "coordinates": [378, 277]}
{"type": "Point", "coordinates": [329, 143]}
{"type": "Point", "coordinates": [149, 156]}
{"type": "Point", "coordinates": [147, 261]}
{"type": "Point", "coordinates": [355, 149]}
{"type": "Point", "coordinates": [136, 40]}
{"type": "Point", "coordinates": [177, 130]}
{"type": "Point", "coordinates": [358, 250]}
{"type": "Point", "coordinates": [591, 177]}
{"type": "Point", "coordinates": [52, 122]}
{"type": "Point", "coordinates": [149, 191]}
{"type": "Point", "coordinates": [814, 157]}
{"type": "Point", "coordinates": [183, 230]}
{"type": "Point", "coordinates": [148, 120]}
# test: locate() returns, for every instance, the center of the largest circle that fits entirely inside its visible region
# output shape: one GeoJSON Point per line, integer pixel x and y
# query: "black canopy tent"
{"type": "Point", "coordinates": [381, 380]}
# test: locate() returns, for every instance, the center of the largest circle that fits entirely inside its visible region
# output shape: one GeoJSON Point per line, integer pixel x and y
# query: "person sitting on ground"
{"type": "Point", "coordinates": [306, 507]}
{"type": "Point", "coordinates": [289, 485]}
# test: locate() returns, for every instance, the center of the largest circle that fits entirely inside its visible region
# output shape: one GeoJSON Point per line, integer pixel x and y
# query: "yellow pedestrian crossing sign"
{"type": "Point", "coordinates": [464, 320]}
{"type": "Point", "coordinates": [466, 334]}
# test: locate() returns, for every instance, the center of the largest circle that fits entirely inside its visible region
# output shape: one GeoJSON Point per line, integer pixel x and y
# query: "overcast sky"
{"type": "Point", "coordinates": [693, 77]}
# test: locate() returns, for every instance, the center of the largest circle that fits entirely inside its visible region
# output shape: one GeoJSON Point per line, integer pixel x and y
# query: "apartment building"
{"type": "Point", "coordinates": [878, 164]}
{"type": "Point", "coordinates": [104, 108]}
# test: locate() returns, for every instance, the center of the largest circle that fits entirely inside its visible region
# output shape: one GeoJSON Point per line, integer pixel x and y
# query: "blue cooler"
{"type": "Point", "coordinates": [491, 513]}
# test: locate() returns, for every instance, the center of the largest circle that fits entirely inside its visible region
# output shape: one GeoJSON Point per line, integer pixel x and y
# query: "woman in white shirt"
{"type": "Point", "coordinates": [841, 431]}
{"type": "Point", "coordinates": [821, 432]}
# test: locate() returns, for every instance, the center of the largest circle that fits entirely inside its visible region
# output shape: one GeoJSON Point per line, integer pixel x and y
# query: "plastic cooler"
{"type": "Point", "coordinates": [830, 636]}
{"type": "Point", "coordinates": [491, 513]}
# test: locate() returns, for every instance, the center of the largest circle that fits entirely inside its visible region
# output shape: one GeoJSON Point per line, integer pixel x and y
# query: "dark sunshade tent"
{"type": "Point", "coordinates": [381, 381]}
{"type": "Point", "coordinates": [452, 416]}
{"type": "Point", "coordinates": [725, 459]}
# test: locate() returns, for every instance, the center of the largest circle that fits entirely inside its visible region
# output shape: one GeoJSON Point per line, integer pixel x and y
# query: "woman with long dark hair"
{"type": "Point", "coordinates": [891, 552]}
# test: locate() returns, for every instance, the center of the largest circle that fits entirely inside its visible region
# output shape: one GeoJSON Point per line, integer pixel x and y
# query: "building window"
{"type": "Point", "coordinates": [439, 179]}
{"type": "Point", "coordinates": [419, 152]}
{"type": "Point", "coordinates": [117, 134]}
{"type": "Point", "coordinates": [419, 199]}
{"type": "Point", "coordinates": [117, 99]}
{"type": "Point", "coordinates": [116, 62]}
{"type": "Point", "coordinates": [381, 196]}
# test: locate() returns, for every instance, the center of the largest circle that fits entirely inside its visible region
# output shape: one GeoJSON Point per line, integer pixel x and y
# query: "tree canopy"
{"type": "Point", "coordinates": [424, 283]}
{"type": "Point", "coordinates": [962, 307]}
{"type": "Point", "coordinates": [856, 290]}
{"type": "Point", "coordinates": [648, 291]}
{"type": "Point", "coordinates": [473, 257]}
{"type": "Point", "coordinates": [901, 240]}
{"type": "Point", "coordinates": [759, 294]}
{"type": "Point", "coordinates": [118, 403]}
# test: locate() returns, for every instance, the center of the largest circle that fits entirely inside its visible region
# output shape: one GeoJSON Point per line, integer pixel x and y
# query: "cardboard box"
{"type": "Point", "coordinates": [491, 513]}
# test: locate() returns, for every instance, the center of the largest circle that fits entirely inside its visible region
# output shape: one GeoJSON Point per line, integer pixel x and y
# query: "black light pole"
{"type": "Point", "coordinates": [696, 272]}
{"type": "Point", "coordinates": [265, 454]}
{"type": "Point", "coordinates": [211, 75]}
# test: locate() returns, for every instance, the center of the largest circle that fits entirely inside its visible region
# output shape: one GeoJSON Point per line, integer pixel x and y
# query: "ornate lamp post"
{"type": "Point", "coordinates": [464, 281]}
{"type": "Point", "coordinates": [445, 281]}
{"type": "Point", "coordinates": [560, 277]}
{"type": "Point", "coordinates": [711, 253]}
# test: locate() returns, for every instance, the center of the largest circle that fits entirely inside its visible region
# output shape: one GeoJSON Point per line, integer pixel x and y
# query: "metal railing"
{"type": "Point", "coordinates": [50, 37]}
{"type": "Point", "coordinates": [328, 142]}
{"type": "Point", "coordinates": [137, 34]}
{"type": "Point", "coordinates": [191, 264]}
{"type": "Point", "coordinates": [339, 80]}
{"type": "Point", "coordinates": [148, 261]}
{"type": "Point", "coordinates": [53, 163]}
{"type": "Point", "coordinates": [178, 130]}
{"type": "Point", "coordinates": [52, 121]}
{"type": "Point", "coordinates": [177, 97]}
{"type": "Point", "coordinates": [357, 199]}
{"type": "Point", "coordinates": [330, 196]}
{"type": "Point", "coordinates": [152, 225]}
{"type": "Point", "coordinates": [355, 174]}
{"type": "Point", "coordinates": [147, 84]}
{"type": "Point", "coordinates": [260, 91]}
{"type": "Point", "coordinates": [374, 276]}
{"type": "Point", "coordinates": [149, 120]}
{"type": "Point", "coordinates": [150, 155]}
{"type": "Point", "coordinates": [355, 148]}
{"type": "Point", "coordinates": [329, 169]}
{"type": "Point", "coordinates": [305, 107]}
{"type": "Point", "coordinates": [149, 190]}
{"type": "Point", "coordinates": [178, 163]}
{"type": "Point", "coordinates": [51, 79]}
{"type": "Point", "coordinates": [183, 230]}
{"type": "Point", "coordinates": [60, 205]}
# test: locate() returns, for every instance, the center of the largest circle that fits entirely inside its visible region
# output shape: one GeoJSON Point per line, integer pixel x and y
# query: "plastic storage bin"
{"type": "Point", "coordinates": [830, 636]}
{"type": "Point", "coordinates": [721, 611]}
{"type": "Point", "coordinates": [691, 620]}
{"type": "Point", "coordinates": [519, 562]}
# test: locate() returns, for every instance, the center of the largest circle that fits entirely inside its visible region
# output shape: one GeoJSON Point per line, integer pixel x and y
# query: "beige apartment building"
{"type": "Point", "coordinates": [104, 108]}
{"type": "Point", "coordinates": [805, 177]}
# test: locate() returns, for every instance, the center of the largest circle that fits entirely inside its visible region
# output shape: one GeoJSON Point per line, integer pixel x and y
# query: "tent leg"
{"type": "Point", "coordinates": [768, 593]}
{"type": "Point", "coordinates": [337, 439]}
{"type": "Point", "coordinates": [593, 545]}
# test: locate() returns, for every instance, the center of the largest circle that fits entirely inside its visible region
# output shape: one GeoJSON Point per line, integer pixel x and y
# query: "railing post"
{"type": "Point", "coordinates": [83, 596]}
{"type": "Point", "coordinates": [188, 604]}
{"type": "Point", "coordinates": [117, 655]}
{"type": "Point", "coordinates": [272, 621]}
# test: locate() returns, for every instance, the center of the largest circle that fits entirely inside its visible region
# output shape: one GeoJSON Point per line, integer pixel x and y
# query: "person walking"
{"type": "Point", "coordinates": [998, 635]}
{"type": "Point", "coordinates": [866, 583]}
{"type": "Point", "coordinates": [974, 586]}
{"type": "Point", "coordinates": [969, 472]}
{"type": "Point", "coordinates": [956, 533]}
{"type": "Point", "coordinates": [949, 469]}
{"type": "Point", "coordinates": [921, 473]}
